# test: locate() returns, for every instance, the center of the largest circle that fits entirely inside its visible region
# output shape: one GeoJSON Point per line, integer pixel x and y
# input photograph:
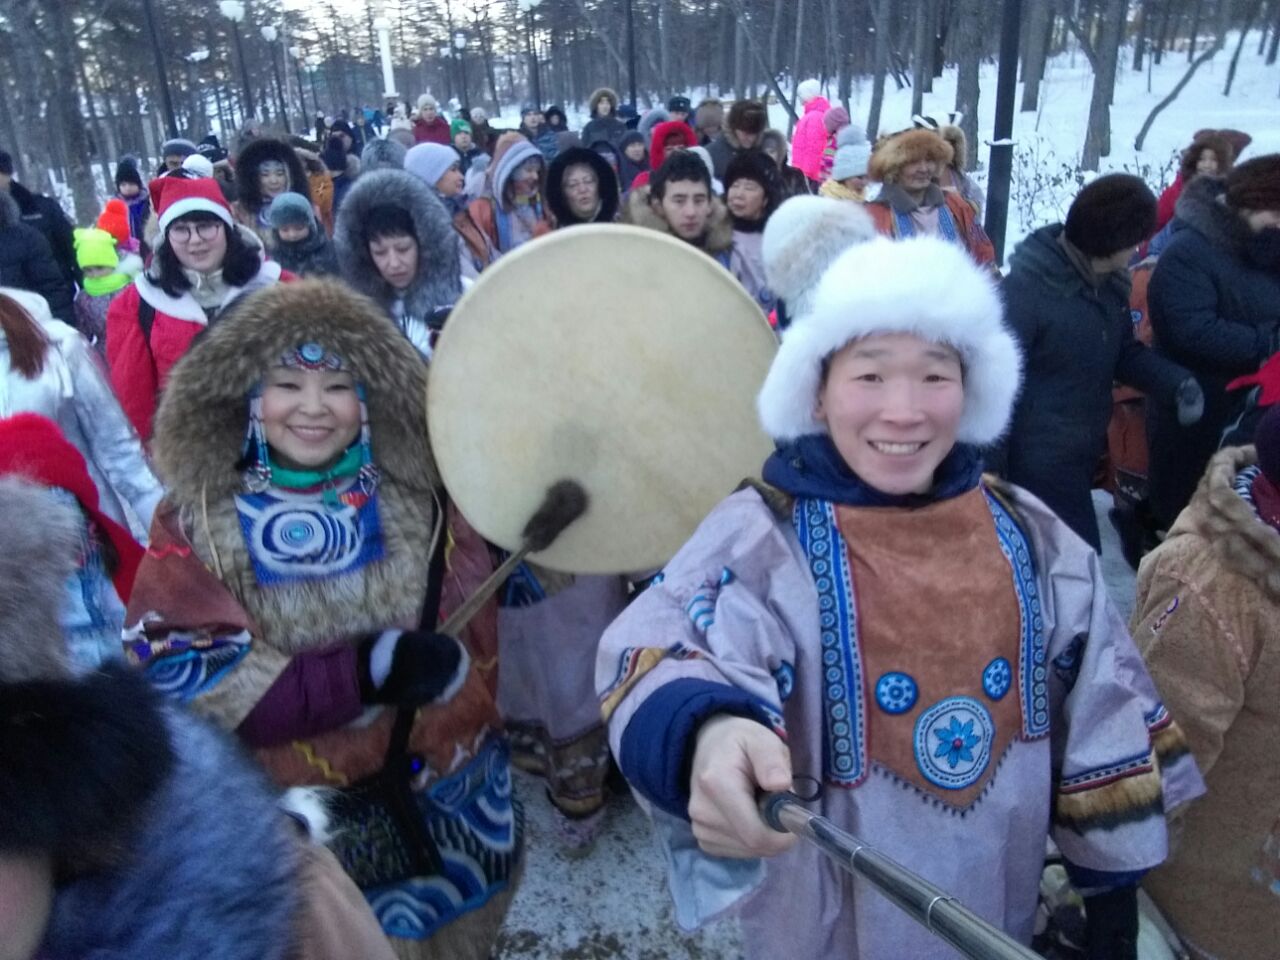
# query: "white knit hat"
{"type": "Point", "coordinates": [802, 238]}
{"type": "Point", "coordinates": [198, 165]}
{"type": "Point", "coordinates": [923, 286]}
{"type": "Point", "coordinates": [808, 89]}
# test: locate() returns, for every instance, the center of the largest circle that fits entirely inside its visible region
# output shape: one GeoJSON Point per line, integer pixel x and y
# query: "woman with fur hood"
{"type": "Point", "coordinates": [298, 573]}
{"type": "Point", "coordinates": [396, 244]}
{"type": "Point", "coordinates": [127, 827]}
{"type": "Point", "coordinates": [1208, 623]}
{"type": "Point", "coordinates": [204, 261]}
{"type": "Point", "coordinates": [604, 123]}
{"type": "Point", "coordinates": [582, 188]}
{"type": "Point", "coordinates": [266, 168]}
{"type": "Point", "coordinates": [512, 210]}
{"type": "Point", "coordinates": [1214, 302]}
{"type": "Point", "coordinates": [799, 634]}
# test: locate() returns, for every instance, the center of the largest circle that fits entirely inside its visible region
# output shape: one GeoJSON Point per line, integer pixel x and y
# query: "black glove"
{"type": "Point", "coordinates": [1190, 400]}
{"type": "Point", "coordinates": [1111, 925]}
{"type": "Point", "coordinates": [411, 668]}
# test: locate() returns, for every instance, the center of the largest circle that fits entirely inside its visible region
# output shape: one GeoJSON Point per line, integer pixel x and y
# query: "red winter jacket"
{"type": "Point", "coordinates": [1168, 204]}
{"type": "Point", "coordinates": [433, 131]}
{"type": "Point", "coordinates": [658, 147]}
{"type": "Point", "coordinates": [139, 367]}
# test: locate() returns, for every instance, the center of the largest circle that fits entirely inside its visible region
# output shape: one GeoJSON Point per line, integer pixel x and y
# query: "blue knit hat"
{"type": "Point", "coordinates": [290, 209]}
{"type": "Point", "coordinates": [430, 161]}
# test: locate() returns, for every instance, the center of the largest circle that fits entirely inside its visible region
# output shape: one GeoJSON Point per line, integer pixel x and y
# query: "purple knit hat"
{"type": "Point", "coordinates": [835, 119]}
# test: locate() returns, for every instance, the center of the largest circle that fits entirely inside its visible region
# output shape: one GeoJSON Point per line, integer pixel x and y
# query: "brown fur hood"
{"type": "Point", "coordinates": [201, 424]}
{"type": "Point", "coordinates": [1231, 528]}
{"type": "Point", "coordinates": [894, 152]}
{"type": "Point", "coordinates": [639, 212]}
{"type": "Point", "coordinates": [602, 94]}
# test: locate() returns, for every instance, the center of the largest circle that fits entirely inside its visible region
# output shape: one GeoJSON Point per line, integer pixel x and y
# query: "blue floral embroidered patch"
{"type": "Point", "coordinates": [997, 678]}
{"type": "Point", "coordinates": [785, 678]}
{"type": "Point", "coordinates": [896, 693]}
{"type": "Point", "coordinates": [953, 742]}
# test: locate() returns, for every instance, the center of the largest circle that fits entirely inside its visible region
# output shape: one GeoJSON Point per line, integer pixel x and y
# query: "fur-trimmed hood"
{"type": "Point", "coordinates": [658, 140]}
{"type": "Point", "coordinates": [894, 152]}
{"type": "Point", "coordinates": [1244, 544]}
{"type": "Point", "coordinates": [605, 177]}
{"type": "Point", "coordinates": [639, 212]}
{"type": "Point", "coordinates": [601, 94]}
{"type": "Point", "coordinates": [923, 286]}
{"type": "Point", "coordinates": [41, 542]}
{"type": "Point", "coordinates": [252, 156]}
{"type": "Point", "coordinates": [1201, 208]}
{"type": "Point", "coordinates": [439, 280]}
{"type": "Point", "coordinates": [201, 424]}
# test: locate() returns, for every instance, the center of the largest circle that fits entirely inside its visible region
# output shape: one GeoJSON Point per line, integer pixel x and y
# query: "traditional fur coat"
{"type": "Point", "coordinates": [1208, 624]}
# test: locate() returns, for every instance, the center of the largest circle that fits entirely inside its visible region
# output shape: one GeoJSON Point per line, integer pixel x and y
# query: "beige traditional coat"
{"type": "Point", "coordinates": [1208, 623]}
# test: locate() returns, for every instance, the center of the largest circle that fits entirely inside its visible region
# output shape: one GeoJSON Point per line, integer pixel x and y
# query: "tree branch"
{"type": "Point", "coordinates": [1086, 45]}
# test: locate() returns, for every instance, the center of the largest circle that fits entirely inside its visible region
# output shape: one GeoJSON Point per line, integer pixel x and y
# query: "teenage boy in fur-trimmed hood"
{"type": "Point", "coordinates": [910, 201]}
{"type": "Point", "coordinates": [128, 828]}
{"type": "Point", "coordinates": [678, 200]}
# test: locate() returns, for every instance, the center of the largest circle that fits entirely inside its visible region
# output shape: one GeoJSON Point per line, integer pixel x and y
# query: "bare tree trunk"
{"type": "Point", "coordinates": [664, 44]}
{"type": "Point", "coordinates": [1144, 34]}
{"type": "Point", "coordinates": [1254, 10]}
{"type": "Point", "coordinates": [1039, 15]}
{"type": "Point", "coordinates": [969, 48]}
{"type": "Point", "coordinates": [796, 73]}
{"type": "Point", "coordinates": [1195, 30]}
{"type": "Point", "coordinates": [1274, 49]}
{"type": "Point", "coordinates": [1224, 21]}
{"type": "Point", "coordinates": [1104, 58]}
{"type": "Point", "coordinates": [919, 56]}
{"type": "Point", "coordinates": [65, 113]}
{"type": "Point", "coordinates": [883, 10]}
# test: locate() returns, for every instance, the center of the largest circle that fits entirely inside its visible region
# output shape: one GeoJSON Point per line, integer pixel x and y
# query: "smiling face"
{"type": "Point", "coordinates": [396, 258]}
{"type": "Point", "coordinates": [1207, 163]}
{"type": "Point", "coordinates": [916, 176]}
{"type": "Point", "coordinates": [892, 403]}
{"type": "Point", "coordinates": [199, 244]}
{"type": "Point", "coordinates": [273, 180]}
{"type": "Point", "coordinates": [309, 417]}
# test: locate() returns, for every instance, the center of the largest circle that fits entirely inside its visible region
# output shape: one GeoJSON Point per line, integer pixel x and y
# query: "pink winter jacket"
{"type": "Point", "coordinates": [810, 139]}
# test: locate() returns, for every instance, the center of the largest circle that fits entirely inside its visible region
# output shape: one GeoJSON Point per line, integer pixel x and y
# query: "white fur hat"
{"type": "Point", "coordinates": [924, 286]}
{"type": "Point", "coordinates": [808, 89]}
{"type": "Point", "coordinates": [802, 238]}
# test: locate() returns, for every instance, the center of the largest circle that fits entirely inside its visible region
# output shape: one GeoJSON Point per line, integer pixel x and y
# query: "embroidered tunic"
{"type": "Point", "coordinates": [955, 676]}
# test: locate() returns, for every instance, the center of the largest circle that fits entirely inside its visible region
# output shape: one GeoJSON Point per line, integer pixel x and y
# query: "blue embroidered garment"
{"type": "Point", "coordinates": [293, 537]}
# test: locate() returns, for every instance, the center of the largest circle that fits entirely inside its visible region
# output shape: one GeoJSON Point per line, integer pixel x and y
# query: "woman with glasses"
{"type": "Point", "coordinates": [203, 262]}
{"type": "Point", "coordinates": [582, 188]}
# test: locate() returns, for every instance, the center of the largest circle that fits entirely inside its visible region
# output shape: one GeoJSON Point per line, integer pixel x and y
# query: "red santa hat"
{"type": "Point", "coordinates": [32, 447]}
{"type": "Point", "coordinates": [179, 197]}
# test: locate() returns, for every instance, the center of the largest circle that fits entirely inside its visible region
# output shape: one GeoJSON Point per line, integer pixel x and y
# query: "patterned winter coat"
{"type": "Point", "coordinates": [1208, 623]}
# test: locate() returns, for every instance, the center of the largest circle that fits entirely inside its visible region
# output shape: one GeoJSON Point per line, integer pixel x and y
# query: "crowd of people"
{"type": "Point", "coordinates": [224, 520]}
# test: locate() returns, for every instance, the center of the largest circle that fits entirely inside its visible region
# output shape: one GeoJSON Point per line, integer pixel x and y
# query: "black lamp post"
{"type": "Point", "coordinates": [1002, 142]}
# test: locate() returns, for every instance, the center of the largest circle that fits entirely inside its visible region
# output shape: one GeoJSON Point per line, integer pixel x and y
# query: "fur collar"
{"type": "Point", "coordinates": [640, 213]}
{"type": "Point", "coordinates": [1244, 543]}
{"type": "Point", "coordinates": [184, 306]}
{"type": "Point", "coordinates": [201, 423]}
{"type": "Point", "coordinates": [1201, 209]}
{"type": "Point", "coordinates": [438, 283]}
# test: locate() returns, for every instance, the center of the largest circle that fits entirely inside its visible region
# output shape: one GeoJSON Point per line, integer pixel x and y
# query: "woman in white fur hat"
{"type": "Point", "coordinates": [878, 617]}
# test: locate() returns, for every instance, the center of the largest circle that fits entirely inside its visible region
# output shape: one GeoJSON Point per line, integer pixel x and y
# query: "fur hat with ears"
{"type": "Point", "coordinates": [894, 152]}
{"type": "Point", "coordinates": [748, 116]}
{"type": "Point", "coordinates": [922, 286]}
{"type": "Point", "coordinates": [803, 237]}
{"type": "Point", "coordinates": [958, 143]}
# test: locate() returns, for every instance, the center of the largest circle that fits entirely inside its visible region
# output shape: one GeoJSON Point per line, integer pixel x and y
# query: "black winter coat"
{"type": "Point", "coordinates": [27, 262]}
{"type": "Point", "coordinates": [1215, 311]}
{"type": "Point", "coordinates": [1076, 340]}
{"type": "Point", "coordinates": [312, 257]}
{"type": "Point", "coordinates": [45, 215]}
{"type": "Point", "coordinates": [608, 128]}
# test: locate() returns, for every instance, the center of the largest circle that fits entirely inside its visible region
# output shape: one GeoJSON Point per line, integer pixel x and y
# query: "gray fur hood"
{"type": "Point", "coordinates": [439, 280]}
{"type": "Point", "coordinates": [1201, 208]}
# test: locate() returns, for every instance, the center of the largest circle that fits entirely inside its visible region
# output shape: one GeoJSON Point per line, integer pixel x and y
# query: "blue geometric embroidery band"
{"type": "Point", "coordinates": [997, 678]}
{"type": "Point", "coordinates": [1032, 670]}
{"type": "Point", "coordinates": [953, 742]}
{"type": "Point", "coordinates": [896, 693]}
{"type": "Point", "coordinates": [844, 710]}
{"type": "Point", "coordinates": [905, 227]}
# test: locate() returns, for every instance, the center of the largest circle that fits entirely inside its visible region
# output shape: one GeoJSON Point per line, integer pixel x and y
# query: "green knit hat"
{"type": "Point", "coordinates": [95, 248]}
{"type": "Point", "coordinates": [458, 125]}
